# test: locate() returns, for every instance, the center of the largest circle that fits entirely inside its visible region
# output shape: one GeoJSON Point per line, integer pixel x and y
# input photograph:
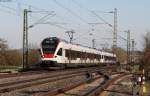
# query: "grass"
{"type": "Point", "coordinates": [9, 68]}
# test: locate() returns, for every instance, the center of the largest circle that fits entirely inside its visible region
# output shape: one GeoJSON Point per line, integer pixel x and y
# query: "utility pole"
{"type": "Point", "coordinates": [128, 47]}
{"type": "Point", "coordinates": [93, 40]}
{"type": "Point", "coordinates": [25, 39]}
{"type": "Point", "coordinates": [115, 30]}
{"type": "Point", "coordinates": [93, 43]}
{"type": "Point", "coordinates": [70, 34]}
{"type": "Point", "coordinates": [132, 57]}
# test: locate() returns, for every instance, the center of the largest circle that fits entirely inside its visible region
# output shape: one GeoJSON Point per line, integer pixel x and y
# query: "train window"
{"type": "Point", "coordinates": [59, 52]}
{"type": "Point", "coordinates": [101, 56]}
{"type": "Point", "coordinates": [49, 46]}
{"type": "Point", "coordinates": [67, 53]}
{"type": "Point", "coordinates": [78, 54]}
{"type": "Point", "coordinates": [73, 54]}
{"type": "Point", "coordinates": [105, 57]}
{"type": "Point", "coordinates": [84, 55]}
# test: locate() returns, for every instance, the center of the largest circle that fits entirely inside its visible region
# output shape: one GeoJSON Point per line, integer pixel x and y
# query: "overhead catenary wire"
{"type": "Point", "coordinates": [40, 20]}
{"type": "Point", "coordinates": [40, 10]}
{"type": "Point", "coordinates": [105, 22]}
{"type": "Point", "coordinates": [44, 18]}
{"type": "Point", "coordinates": [74, 1]}
{"type": "Point", "coordinates": [101, 19]}
{"type": "Point", "coordinates": [89, 12]}
{"type": "Point", "coordinates": [122, 38]}
{"type": "Point", "coordinates": [81, 35]}
{"type": "Point", "coordinates": [93, 13]}
{"type": "Point", "coordinates": [56, 26]}
{"type": "Point", "coordinates": [25, 4]}
{"type": "Point", "coordinates": [7, 7]}
{"type": "Point", "coordinates": [70, 11]}
{"type": "Point", "coordinates": [19, 10]}
{"type": "Point", "coordinates": [9, 12]}
{"type": "Point", "coordinates": [43, 11]}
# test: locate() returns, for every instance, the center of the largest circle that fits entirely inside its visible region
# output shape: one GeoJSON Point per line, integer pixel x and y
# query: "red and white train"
{"type": "Point", "coordinates": [57, 52]}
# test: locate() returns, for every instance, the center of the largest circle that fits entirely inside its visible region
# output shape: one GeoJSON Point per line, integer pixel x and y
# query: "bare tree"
{"type": "Point", "coordinates": [3, 49]}
{"type": "Point", "coordinates": [8, 57]}
{"type": "Point", "coordinates": [3, 45]}
{"type": "Point", "coordinates": [121, 55]}
{"type": "Point", "coordinates": [13, 57]}
{"type": "Point", "coordinates": [146, 58]}
{"type": "Point", "coordinates": [147, 42]}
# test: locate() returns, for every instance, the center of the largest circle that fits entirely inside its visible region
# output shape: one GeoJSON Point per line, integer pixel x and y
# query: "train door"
{"type": "Point", "coordinates": [60, 57]}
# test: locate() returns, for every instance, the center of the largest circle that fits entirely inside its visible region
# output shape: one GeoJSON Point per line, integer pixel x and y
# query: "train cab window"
{"type": "Point", "coordinates": [59, 52]}
{"type": "Point", "coordinates": [49, 45]}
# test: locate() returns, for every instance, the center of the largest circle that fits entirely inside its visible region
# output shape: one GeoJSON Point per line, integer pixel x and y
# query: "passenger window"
{"type": "Point", "coordinates": [59, 52]}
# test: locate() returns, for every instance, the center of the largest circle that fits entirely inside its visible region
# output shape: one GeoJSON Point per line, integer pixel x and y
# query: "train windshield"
{"type": "Point", "coordinates": [49, 45]}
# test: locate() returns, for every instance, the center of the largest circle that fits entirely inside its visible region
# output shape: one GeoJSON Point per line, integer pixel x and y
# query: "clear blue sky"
{"type": "Point", "coordinates": [74, 14]}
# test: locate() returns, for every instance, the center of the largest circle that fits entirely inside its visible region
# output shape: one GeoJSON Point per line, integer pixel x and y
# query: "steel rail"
{"type": "Point", "coordinates": [7, 87]}
{"type": "Point", "coordinates": [64, 89]}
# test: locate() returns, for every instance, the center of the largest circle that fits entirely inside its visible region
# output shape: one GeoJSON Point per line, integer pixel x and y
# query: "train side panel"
{"type": "Point", "coordinates": [66, 53]}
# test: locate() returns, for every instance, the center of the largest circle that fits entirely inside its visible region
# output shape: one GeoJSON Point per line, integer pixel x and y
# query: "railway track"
{"type": "Point", "coordinates": [91, 87]}
{"type": "Point", "coordinates": [8, 75]}
{"type": "Point", "coordinates": [118, 88]}
{"type": "Point", "coordinates": [28, 73]}
{"type": "Point", "coordinates": [98, 91]}
{"type": "Point", "coordinates": [45, 78]}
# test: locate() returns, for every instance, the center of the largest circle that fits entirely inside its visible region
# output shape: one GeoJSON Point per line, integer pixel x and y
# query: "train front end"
{"type": "Point", "coordinates": [48, 50]}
